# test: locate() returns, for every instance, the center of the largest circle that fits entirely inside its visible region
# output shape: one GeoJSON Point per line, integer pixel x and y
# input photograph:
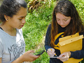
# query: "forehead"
{"type": "Point", "coordinates": [22, 12]}
{"type": "Point", "coordinates": [60, 15]}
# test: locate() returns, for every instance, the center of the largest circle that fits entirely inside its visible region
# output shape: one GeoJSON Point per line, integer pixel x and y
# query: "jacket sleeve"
{"type": "Point", "coordinates": [48, 38]}
{"type": "Point", "coordinates": [80, 53]}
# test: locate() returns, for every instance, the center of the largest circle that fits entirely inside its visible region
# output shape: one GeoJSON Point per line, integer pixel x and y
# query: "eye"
{"type": "Point", "coordinates": [20, 19]}
{"type": "Point", "coordinates": [65, 20]}
{"type": "Point", "coordinates": [58, 19]}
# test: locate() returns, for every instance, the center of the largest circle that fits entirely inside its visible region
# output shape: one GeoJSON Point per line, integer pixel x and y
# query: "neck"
{"type": "Point", "coordinates": [8, 29]}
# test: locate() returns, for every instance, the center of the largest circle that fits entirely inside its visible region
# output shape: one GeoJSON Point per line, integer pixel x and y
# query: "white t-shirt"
{"type": "Point", "coordinates": [11, 47]}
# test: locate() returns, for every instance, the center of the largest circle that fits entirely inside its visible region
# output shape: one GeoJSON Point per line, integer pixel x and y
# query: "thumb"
{"type": "Point", "coordinates": [31, 51]}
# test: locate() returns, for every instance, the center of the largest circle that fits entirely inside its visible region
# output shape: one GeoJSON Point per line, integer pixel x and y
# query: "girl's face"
{"type": "Point", "coordinates": [62, 20]}
{"type": "Point", "coordinates": [18, 20]}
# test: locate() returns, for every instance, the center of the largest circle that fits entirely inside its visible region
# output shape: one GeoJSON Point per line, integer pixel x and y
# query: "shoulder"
{"type": "Point", "coordinates": [48, 30]}
{"type": "Point", "coordinates": [2, 33]}
{"type": "Point", "coordinates": [1, 41]}
{"type": "Point", "coordinates": [49, 27]}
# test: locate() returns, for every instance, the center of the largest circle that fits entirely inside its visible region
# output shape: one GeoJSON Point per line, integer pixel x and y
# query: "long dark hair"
{"type": "Point", "coordinates": [10, 8]}
{"type": "Point", "coordinates": [66, 8]}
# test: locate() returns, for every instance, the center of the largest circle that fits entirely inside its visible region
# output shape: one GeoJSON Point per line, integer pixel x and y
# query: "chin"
{"type": "Point", "coordinates": [63, 26]}
{"type": "Point", "coordinates": [19, 28]}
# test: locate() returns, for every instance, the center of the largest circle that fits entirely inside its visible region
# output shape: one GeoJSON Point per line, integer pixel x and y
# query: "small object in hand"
{"type": "Point", "coordinates": [55, 56]}
{"type": "Point", "coordinates": [39, 52]}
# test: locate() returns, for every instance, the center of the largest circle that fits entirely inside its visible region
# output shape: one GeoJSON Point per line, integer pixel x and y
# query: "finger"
{"type": "Point", "coordinates": [62, 55]}
{"type": "Point", "coordinates": [30, 51]}
{"type": "Point", "coordinates": [34, 56]}
{"type": "Point", "coordinates": [61, 58]}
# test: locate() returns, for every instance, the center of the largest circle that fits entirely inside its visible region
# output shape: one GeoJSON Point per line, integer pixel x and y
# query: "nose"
{"type": "Point", "coordinates": [61, 23]}
{"type": "Point", "coordinates": [23, 21]}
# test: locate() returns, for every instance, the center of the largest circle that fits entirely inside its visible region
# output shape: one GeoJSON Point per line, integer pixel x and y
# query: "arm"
{"type": "Point", "coordinates": [28, 56]}
{"type": "Point", "coordinates": [48, 38]}
{"type": "Point", "coordinates": [1, 51]}
{"type": "Point", "coordinates": [49, 49]}
{"type": "Point", "coordinates": [0, 60]}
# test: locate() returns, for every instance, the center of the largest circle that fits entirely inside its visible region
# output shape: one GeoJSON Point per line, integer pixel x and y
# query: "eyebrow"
{"type": "Point", "coordinates": [65, 18]}
{"type": "Point", "coordinates": [23, 16]}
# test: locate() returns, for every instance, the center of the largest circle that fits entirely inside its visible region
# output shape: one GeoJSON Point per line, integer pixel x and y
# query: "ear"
{"type": "Point", "coordinates": [6, 17]}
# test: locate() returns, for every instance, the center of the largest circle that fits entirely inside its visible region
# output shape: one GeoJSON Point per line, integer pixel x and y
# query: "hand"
{"type": "Point", "coordinates": [64, 56]}
{"type": "Point", "coordinates": [51, 52]}
{"type": "Point", "coordinates": [28, 56]}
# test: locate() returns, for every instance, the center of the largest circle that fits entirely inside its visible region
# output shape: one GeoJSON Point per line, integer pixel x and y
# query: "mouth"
{"type": "Point", "coordinates": [22, 25]}
{"type": "Point", "coordinates": [62, 25]}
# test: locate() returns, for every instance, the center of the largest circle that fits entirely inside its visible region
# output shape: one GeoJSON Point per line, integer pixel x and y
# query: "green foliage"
{"type": "Point", "coordinates": [79, 4]}
{"type": "Point", "coordinates": [44, 58]}
{"type": "Point", "coordinates": [82, 61]}
{"type": "Point", "coordinates": [35, 29]}
{"type": "Point", "coordinates": [36, 25]}
{"type": "Point", "coordinates": [28, 0]}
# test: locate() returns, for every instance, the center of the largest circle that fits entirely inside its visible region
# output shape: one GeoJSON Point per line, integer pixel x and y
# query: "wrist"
{"type": "Point", "coordinates": [69, 54]}
{"type": "Point", "coordinates": [18, 60]}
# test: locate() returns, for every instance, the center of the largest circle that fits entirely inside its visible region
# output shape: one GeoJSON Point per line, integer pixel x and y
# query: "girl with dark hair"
{"type": "Point", "coordinates": [65, 21]}
{"type": "Point", "coordinates": [12, 45]}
